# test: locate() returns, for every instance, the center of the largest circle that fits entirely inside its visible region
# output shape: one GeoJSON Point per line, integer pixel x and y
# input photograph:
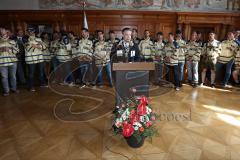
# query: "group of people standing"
{"type": "Point", "coordinates": [21, 55]}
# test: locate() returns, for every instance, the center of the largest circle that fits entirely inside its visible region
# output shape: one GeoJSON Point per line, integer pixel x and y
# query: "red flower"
{"type": "Point", "coordinates": [135, 118]}
{"type": "Point", "coordinates": [132, 112]}
{"type": "Point", "coordinates": [144, 100]}
{"type": "Point", "coordinates": [149, 123]}
{"type": "Point", "coordinates": [127, 130]}
{"type": "Point", "coordinates": [142, 109]}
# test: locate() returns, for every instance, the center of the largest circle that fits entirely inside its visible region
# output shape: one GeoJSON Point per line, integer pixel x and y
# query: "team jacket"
{"type": "Point", "coordinates": [64, 52]}
{"type": "Point", "coordinates": [237, 58]}
{"type": "Point", "coordinates": [102, 53]}
{"type": "Point", "coordinates": [159, 52]}
{"type": "Point", "coordinates": [171, 53]}
{"type": "Point", "coordinates": [146, 48]}
{"type": "Point", "coordinates": [47, 56]}
{"type": "Point", "coordinates": [8, 58]}
{"type": "Point", "coordinates": [182, 50]}
{"type": "Point", "coordinates": [211, 51]}
{"type": "Point", "coordinates": [54, 47]}
{"type": "Point", "coordinates": [193, 51]}
{"type": "Point", "coordinates": [228, 48]}
{"type": "Point", "coordinates": [34, 55]}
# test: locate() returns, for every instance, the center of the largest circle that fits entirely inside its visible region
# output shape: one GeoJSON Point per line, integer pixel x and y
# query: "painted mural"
{"type": "Point", "coordinates": [164, 5]}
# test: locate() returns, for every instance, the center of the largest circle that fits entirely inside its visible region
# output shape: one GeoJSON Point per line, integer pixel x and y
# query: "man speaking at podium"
{"type": "Point", "coordinates": [126, 50]}
{"type": "Point", "coordinates": [129, 75]}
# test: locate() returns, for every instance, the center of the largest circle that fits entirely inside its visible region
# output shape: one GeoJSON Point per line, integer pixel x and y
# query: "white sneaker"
{"type": "Point", "coordinates": [177, 88]}
{"type": "Point", "coordinates": [227, 86]}
{"type": "Point", "coordinates": [82, 86]}
{"type": "Point", "coordinates": [71, 84]}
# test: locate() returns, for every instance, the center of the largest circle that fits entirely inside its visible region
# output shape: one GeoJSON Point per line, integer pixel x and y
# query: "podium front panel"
{"type": "Point", "coordinates": [126, 80]}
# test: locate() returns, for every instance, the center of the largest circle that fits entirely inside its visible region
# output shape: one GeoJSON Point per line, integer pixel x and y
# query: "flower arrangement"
{"type": "Point", "coordinates": [135, 118]}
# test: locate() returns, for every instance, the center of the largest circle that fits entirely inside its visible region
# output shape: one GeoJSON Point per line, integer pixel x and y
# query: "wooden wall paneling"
{"type": "Point", "coordinates": [153, 20]}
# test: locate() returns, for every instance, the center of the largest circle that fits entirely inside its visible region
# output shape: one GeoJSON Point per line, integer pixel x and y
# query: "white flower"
{"type": "Point", "coordinates": [142, 118]}
{"type": "Point", "coordinates": [124, 117]}
{"type": "Point", "coordinates": [149, 110]}
{"type": "Point", "coordinates": [137, 124]}
{"type": "Point", "coordinates": [135, 128]}
{"type": "Point", "coordinates": [146, 118]}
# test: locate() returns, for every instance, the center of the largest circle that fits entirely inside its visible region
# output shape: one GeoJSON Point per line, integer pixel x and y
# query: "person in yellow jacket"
{"type": "Point", "coordinates": [171, 50]}
{"type": "Point", "coordinates": [102, 59]}
{"type": "Point", "coordinates": [47, 56]}
{"type": "Point", "coordinates": [181, 54]}
{"type": "Point", "coordinates": [64, 57]}
{"type": "Point", "coordinates": [193, 53]}
{"type": "Point", "coordinates": [236, 71]}
{"type": "Point", "coordinates": [85, 59]}
{"type": "Point", "coordinates": [8, 63]}
{"type": "Point", "coordinates": [146, 47]}
{"type": "Point", "coordinates": [226, 56]}
{"type": "Point", "coordinates": [158, 57]}
{"type": "Point", "coordinates": [210, 52]}
{"type": "Point", "coordinates": [34, 58]}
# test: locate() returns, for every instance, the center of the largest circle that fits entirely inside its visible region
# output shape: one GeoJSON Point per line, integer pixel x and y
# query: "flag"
{"type": "Point", "coordinates": [85, 23]}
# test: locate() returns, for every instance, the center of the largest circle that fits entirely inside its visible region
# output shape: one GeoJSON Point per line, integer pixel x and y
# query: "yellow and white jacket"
{"type": "Point", "coordinates": [170, 54]}
{"type": "Point", "coordinates": [34, 55]}
{"type": "Point", "coordinates": [47, 56]}
{"type": "Point", "coordinates": [101, 53]}
{"type": "Point", "coordinates": [211, 51]}
{"type": "Point", "coordinates": [85, 47]}
{"type": "Point", "coordinates": [54, 47]}
{"type": "Point", "coordinates": [64, 52]}
{"type": "Point", "coordinates": [159, 52]}
{"type": "Point", "coordinates": [182, 50]}
{"type": "Point", "coordinates": [146, 48]}
{"type": "Point", "coordinates": [237, 58]}
{"type": "Point", "coordinates": [228, 48]}
{"type": "Point", "coordinates": [193, 51]}
{"type": "Point", "coordinates": [8, 58]}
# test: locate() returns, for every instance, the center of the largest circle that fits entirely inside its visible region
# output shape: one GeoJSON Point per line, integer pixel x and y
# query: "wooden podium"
{"type": "Point", "coordinates": [132, 75]}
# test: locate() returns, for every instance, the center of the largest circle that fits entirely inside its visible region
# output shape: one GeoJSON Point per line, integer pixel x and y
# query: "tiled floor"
{"type": "Point", "coordinates": [35, 126]}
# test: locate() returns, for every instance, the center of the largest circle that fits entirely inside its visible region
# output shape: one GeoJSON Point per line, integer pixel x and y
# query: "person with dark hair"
{"type": "Point", "coordinates": [158, 56]}
{"type": "Point", "coordinates": [210, 52]}
{"type": "Point", "coordinates": [112, 38]}
{"type": "Point", "coordinates": [102, 59]}
{"type": "Point", "coordinates": [86, 58]}
{"type": "Point", "coordinates": [8, 63]}
{"type": "Point", "coordinates": [171, 50]}
{"type": "Point", "coordinates": [226, 56]}
{"type": "Point", "coordinates": [64, 57]}
{"type": "Point", "coordinates": [46, 52]}
{"type": "Point", "coordinates": [135, 36]}
{"type": "Point", "coordinates": [21, 65]}
{"type": "Point", "coordinates": [34, 57]}
{"type": "Point", "coordinates": [54, 49]}
{"type": "Point", "coordinates": [181, 54]}
{"type": "Point", "coordinates": [126, 50]}
{"type": "Point", "coordinates": [193, 52]}
{"type": "Point", "coordinates": [199, 38]}
{"type": "Point", "coordinates": [146, 47]}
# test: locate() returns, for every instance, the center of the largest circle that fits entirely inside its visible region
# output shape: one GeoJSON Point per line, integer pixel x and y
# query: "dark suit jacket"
{"type": "Point", "coordinates": [126, 56]}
